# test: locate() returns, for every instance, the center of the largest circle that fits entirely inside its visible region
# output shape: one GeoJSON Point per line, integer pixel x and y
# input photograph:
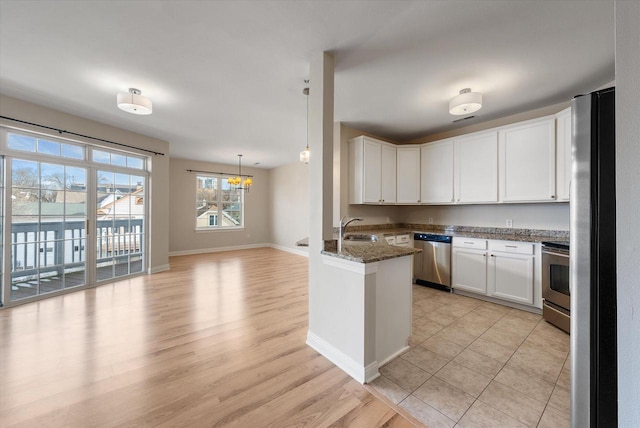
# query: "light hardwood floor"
{"type": "Point", "coordinates": [219, 340]}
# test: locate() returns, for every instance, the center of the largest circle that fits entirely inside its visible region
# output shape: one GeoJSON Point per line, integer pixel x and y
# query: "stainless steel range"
{"type": "Point", "coordinates": [556, 306]}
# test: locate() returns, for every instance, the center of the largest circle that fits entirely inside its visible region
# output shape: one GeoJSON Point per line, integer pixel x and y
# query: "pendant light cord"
{"type": "Point", "coordinates": [307, 119]}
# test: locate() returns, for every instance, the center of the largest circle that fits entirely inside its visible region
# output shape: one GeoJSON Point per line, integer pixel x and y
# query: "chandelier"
{"type": "Point", "coordinates": [241, 182]}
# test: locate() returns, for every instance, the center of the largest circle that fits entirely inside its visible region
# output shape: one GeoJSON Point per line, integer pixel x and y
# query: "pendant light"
{"type": "Point", "coordinates": [466, 102]}
{"type": "Point", "coordinates": [134, 102]}
{"type": "Point", "coordinates": [242, 182]}
{"type": "Point", "coordinates": [305, 155]}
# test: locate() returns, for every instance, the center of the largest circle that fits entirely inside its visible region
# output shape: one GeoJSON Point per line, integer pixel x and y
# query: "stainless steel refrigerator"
{"type": "Point", "coordinates": [594, 386]}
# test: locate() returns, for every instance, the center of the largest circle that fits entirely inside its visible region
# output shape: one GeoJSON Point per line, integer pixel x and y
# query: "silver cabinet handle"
{"type": "Point", "coordinates": [511, 246]}
{"type": "Point", "coordinates": [468, 242]}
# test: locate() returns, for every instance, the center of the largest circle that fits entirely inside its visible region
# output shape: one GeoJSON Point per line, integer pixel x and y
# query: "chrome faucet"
{"type": "Point", "coordinates": [343, 227]}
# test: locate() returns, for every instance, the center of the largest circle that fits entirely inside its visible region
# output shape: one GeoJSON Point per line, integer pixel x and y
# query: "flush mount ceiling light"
{"type": "Point", "coordinates": [134, 102]}
{"type": "Point", "coordinates": [305, 155]}
{"type": "Point", "coordinates": [466, 102]}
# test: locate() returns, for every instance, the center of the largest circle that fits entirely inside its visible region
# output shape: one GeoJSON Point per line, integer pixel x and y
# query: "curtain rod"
{"type": "Point", "coordinates": [220, 173]}
{"type": "Point", "coordinates": [62, 131]}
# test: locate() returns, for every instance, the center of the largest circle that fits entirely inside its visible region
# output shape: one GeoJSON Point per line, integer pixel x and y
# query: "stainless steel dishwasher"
{"type": "Point", "coordinates": [433, 265]}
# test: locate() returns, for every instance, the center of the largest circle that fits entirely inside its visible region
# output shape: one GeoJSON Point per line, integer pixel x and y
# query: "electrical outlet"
{"type": "Point", "coordinates": [509, 223]}
{"type": "Point", "coordinates": [430, 220]}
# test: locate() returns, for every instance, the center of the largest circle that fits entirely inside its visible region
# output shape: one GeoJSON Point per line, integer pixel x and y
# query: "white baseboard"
{"type": "Point", "coordinates": [392, 356]}
{"type": "Point", "coordinates": [158, 269]}
{"type": "Point", "coordinates": [362, 374]}
{"type": "Point", "coordinates": [216, 250]}
{"type": "Point", "coordinates": [290, 250]}
{"type": "Point", "coordinates": [237, 247]}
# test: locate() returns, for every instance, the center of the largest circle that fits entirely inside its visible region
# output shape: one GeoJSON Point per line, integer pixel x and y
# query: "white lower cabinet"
{"type": "Point", "coordinates": [499, 269]}
{"type": "Point", "coordinates": [510, 277]}
{"type": "Point", "coordinates": [469, 270]}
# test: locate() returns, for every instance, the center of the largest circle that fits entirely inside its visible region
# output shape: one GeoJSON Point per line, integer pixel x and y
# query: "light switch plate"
{"type": "Point", "coordinates": [509, 223]}
{"type": "Point", "coordinates": [430, 220]}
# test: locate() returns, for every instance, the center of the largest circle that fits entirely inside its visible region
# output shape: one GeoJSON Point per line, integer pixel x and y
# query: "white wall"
{"type": "Point", "coordinates": [289, 202]}
{"type": "Point", "coordinates": [183, 238]}
{"type": "Point", "coordinates": [628, 209]}
{"type": "Point", "coordinates": [551, 216]}
{"type": "Point", "coordinates": [158, 184]}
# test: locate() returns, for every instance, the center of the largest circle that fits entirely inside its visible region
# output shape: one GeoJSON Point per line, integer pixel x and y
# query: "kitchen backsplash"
{"type": "Point", "coordinates": [460, 229]}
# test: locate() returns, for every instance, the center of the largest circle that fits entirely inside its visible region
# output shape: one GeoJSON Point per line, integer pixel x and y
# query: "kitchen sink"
{"type": "Point", "coordinates": [360, 238]}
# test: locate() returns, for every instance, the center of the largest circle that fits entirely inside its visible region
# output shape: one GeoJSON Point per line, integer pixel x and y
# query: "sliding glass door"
{"type": "Point", "coordinates": [71, 215]}
{"type": "Point", "coordinates": [48, 205]}
{"type": "Point", "coordinates": [120, 224]}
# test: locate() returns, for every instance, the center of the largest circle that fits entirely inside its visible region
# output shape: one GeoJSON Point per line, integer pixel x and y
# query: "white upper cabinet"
{"type": "Point", "coordinates": [372, 172]}
{"type": "Point", "coordinates": [436, 173]}
{"type": "Point", "coordinates": [476, 168]}
{"type": "Point", "coordinates": [388, 174]}
{"type": "Point", "coordinates": [563, 154]}
{"type": "Point", "coordinates": [527, 161]}
{"type": "Point", "coordinates": [408, 175]}
{"type": "Point", "coordinates": [523, 162]}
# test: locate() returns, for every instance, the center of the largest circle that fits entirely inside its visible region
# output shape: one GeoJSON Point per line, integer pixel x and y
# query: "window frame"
{"type": "Point", "coordinates": [219, 204]}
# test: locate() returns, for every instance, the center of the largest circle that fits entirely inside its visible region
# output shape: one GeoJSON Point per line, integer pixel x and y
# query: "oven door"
{"type": "Point", "coordinates": [555, 278]}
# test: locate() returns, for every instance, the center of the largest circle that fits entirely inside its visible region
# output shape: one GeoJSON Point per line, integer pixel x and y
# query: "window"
{"type": "Point", "coordinates": [118, 159]}
{"type": "Point", "coordinates": [27, 143]}
{"type": "Point", "coordinates": [219, 205]}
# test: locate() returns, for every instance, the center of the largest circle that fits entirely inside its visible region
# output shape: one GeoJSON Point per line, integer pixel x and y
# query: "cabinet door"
{"type": "Point", "coordinates": [528, 162]}
{"type": "Point", "coordinates": [469, 270]}
{"type": "Point", "coordinates": [436, 173]}
{"type": "Point", "coordinates": [476, 168]}
{"type": "Point", "coordinates": [408, 176]}
{"type": "Point", "coordinates": [372, 174]}
{"type": "Point", "coordinates": [563, 154]}
{"type": "Point", "coordinates": [511, 277]}
{"type": "Point", "coordinates": [387, 169]}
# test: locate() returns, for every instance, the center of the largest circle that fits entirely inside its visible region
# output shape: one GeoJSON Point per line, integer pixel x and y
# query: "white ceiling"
{"type": "Point", "coordinates": [226, 77]}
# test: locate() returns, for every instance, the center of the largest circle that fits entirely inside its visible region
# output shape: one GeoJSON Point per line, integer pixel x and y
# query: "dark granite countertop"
{"type": "Point", "coordinates": [367, 252]}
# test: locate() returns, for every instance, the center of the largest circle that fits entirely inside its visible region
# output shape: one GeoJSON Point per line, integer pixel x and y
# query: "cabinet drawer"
{"type": "Point", "coordinates": [403, 239]}
{"type": "Point", "coordinates": [511, 247]}
{"type": "Point", "coordinates": [480, 244]}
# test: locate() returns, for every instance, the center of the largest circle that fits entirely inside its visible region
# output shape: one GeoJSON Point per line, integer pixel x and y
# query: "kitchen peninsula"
{"type": "Point", "coordinates": [368, 299]}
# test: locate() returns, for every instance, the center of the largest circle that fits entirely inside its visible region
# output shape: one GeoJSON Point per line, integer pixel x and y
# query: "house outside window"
{"type": "Point", "coordinates": [219, 205]}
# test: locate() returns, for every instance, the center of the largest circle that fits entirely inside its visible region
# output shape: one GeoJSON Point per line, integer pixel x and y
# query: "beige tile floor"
{"type": "Point", "coordinates": [477, 364]}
